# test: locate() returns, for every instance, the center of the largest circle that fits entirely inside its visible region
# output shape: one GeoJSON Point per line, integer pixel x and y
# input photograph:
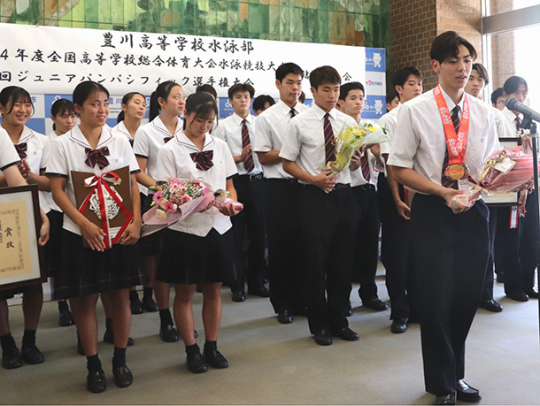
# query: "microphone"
{"type": "Point", "coordinates": [513, 104]}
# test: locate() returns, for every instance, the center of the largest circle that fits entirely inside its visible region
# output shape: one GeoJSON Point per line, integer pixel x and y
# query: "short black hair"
{"type": "Point", "coordinates": [241, 87]}
{"type": "Point", "coordinates": [202, 104]}
{"type": "Point", "coordinates": [261, 100]}
{"type": "Point", "coordinates": [85, 89]}
{"type": "Point", "coordinates": [323, 74]}
{"type": "Point", "coordinates": [482, 72]}
{"type": "Point", "coordinates": [285, 68]}
{"type": "Point", "coordinates": [206, 89]}
{"type": "Point", "coordinates": [512, 84]}
{"type": "Point", "coordinates": [447, 44]}
{"type": "Point", "coordinates": [391, 94]}
{"type": "Point", "coordinates": [496, 94]}
{"type": "Point", "coordinates": [347, 87]}
{"type": "Point", "coordinates": [400, 77]}
{"type": "Point", "coordinates": [13, 94]}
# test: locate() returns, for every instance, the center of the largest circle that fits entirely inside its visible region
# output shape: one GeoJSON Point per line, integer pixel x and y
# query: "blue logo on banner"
{"type": "Point", "coordinates": [375, 60]}
{"type": "Point", "coordinates": [374, 107]}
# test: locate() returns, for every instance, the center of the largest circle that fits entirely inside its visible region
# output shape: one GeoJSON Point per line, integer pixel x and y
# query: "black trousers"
{"type": "Point", "coordinates": [529, 247]}
{"type": "Point", "coordinates": [285, 255]}
{"type": "Point", "coordinates": [327, 232]}
{"type": "Point", "coordinates": [250, 222]}
{"type": "Point", "coordinates": [487, 291]}
{"type": "Point", "coordinates": [510, 244]}
{"type": "Point", "coordinates": [366, 246]}
{"type": "Point", "coordinates": [450, 257]}
{"type": "Point", "coordinates": [395, 243]}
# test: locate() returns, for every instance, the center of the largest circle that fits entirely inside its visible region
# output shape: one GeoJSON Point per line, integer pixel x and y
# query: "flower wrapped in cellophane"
{"type": "Point", "coordinates": [176, 199]}
{"type": "Point", "coordinates": [351, 138]}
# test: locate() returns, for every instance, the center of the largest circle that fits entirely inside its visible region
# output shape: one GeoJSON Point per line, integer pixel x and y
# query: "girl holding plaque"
{"type": "Point", "coordinates": [82, 161]}
{"type": "Point", "coordinates": [166, 106]}
{"type": "Point", "coordinates": [206, 238]}
{"type": "Point", "coordinates": [16, 108]}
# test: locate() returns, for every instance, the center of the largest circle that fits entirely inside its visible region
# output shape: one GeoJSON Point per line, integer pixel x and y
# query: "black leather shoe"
{"type": "Point", "coordinates": [122, 377]}
{"type": "Point", "coordinates": [136, 305]}
{"type": "Point", "coordinates": [375, 304]}
{"type": "Point", "coordinates": [466, 393]}
{"type": "Point", "coordinates": [109, 338]}
{"type": "Point", "coordinates": [533, 294]}
{"type": "Point", "coordinates": [399, 325]}
{"type": "Point", "coordinates": [491, 305]}
{"type": "Point", "coordinates": [285, 316]}
{"type": "Point", "coordinates": [149, 305]}
{"type": "Point", "coordinates": [66, 318]}
{"type": "Point", "coordinates": [11, 359]}
{"type": "Point", "coordinates": [196, 363]}
{"type": "Point", "coordinates": [238, 296]}
{"type": "Point", "coordinates": [168, 333]}
{"type": "Point", "coordinates": [449, 399]}
{"type": "Point", "coordinates": [32, 355]}
{"type": "Point", "coordinates": [518, 296]}
{"type": "Point", "coordinates": [96, 382]}
{"type": "Point", "coordinates": [323, 337]}
{"type": "Point", "coordinates": [262, 292]}
{"type": "Point", "coordinates": [346, 334]}
{"type": "Point", "coordinates": [215, 359]}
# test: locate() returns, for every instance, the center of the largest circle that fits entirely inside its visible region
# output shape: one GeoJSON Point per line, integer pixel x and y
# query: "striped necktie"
{"type": "Point", "coordinates": [248, 162]}
{"type": "Point", "coordinates": [329, 147]}
{"type": "Point", "coordinates": [445, 181]}
{"type": "Point", "coordinates": [364, 165]}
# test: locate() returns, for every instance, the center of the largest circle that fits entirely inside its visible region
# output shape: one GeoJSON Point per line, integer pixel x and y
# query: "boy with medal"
{"type": "Point", "coordinates": [441, 138]}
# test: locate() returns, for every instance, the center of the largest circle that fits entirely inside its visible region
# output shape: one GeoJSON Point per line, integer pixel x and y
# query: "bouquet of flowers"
{"type": "Point", "coordinates": [352, 138]}
{"type": "Point", "coordinates": [176, 199]}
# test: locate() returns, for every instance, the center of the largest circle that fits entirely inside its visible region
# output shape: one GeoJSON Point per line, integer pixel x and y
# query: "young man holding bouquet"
{"type": "Point", "coordinates": [326, 204]}
{"type": "Point", "coordinates": [287, 289]}
{"type": "Point", "coordinates": [449, 239]}
{"type": "Point", "coordinates": [395, 212]}
{"type": "Point", "coordinates": [364, 188]}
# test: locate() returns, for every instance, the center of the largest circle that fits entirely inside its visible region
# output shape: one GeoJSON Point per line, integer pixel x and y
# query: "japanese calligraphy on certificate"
{"type": "Point", "coordinates": [18, 240]}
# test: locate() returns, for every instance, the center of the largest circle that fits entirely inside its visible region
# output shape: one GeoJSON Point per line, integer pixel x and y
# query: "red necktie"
{"type": "Point", "coordinates": [248, 162]}
{"type": "Point", "coordinates": [203, 160]}
{"type": "Point", "coordinates": [445, 181]}
{"type": "Point", "coordinates": [329, 147]}
{"type": "Point", "coordinates": [364, 164]}
{"type": "Point", "coordinates": [97, 156]}
{"type": "Point", "coordinates": [21, 149]}
{"type": "Point", "coordinates": [167, 139]}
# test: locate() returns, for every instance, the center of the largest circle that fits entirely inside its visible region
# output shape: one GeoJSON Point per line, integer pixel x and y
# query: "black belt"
{"type": "Point", "coordinates": [252, 178]}
{"type": "Point", "coordinates": [367, 186]}
{"type": "Point", "coordinates": [341, 186]}
{"type": "Point", "coordinates": [292, 181]}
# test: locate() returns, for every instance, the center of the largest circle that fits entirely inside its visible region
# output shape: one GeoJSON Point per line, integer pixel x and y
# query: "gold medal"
{"type": "Point", "coordinates": [456, 171]}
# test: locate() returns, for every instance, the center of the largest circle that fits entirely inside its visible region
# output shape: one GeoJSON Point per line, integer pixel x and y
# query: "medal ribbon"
{"type": "Point", "coordinates": [99, 183]}
{"type": "Point", "coordinates": [456, 143]}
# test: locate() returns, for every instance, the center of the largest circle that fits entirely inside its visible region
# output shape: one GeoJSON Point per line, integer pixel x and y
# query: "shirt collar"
{"type": "Point", "coordinates": [238, 120]}
{"type": "Point", "coordinates": [158, 124]}
{"type": "Point", "coordinates": [286, 109]}
{"type": "Point", "coordinates": [121, 127]}
{"type": "Point", "coordinates": [320, 113]}
{"type": "Point", "coordinates": [26, 134]}
{"type": "Point", "coordinates": [450, 103]}
{"type": "Point", "coordinates": [182, 139]}
{"type": "Point", "coordinates": [76, 135]}
{"type": "Point", "coordinates": [509, 114]}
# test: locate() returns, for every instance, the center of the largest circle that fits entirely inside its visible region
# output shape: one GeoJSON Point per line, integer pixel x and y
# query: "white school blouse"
{"type": "Point", "coordinates": [230, 130]}
{"type": "Point", "coordinates": [419, 142]}
{"type": "Point", "coordinates": [270, 132]}
{"type": "Point", "coordinates": [8, 153]}
{"type": "Point", "coordinates": [46, 159]}
{"type": "Point", "coordinates": [35, 144]}
{"type": "Point", "coordinates": [68, 154]}
{"type": "Point", "coordinates": [304, 140]}
{"type": "Point", "coordinates": [149, 139]}
{"type": "Point", "coordinates": [175, 161]}
{"type": "Point", "coordinates": [121, 130]}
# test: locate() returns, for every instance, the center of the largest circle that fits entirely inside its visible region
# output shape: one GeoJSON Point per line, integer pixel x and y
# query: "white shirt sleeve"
{"type": "Point", "coordinates": [230, 166]}
{"type": "Point", "coordinates": [57, 163]}
{"type": "Point", "coordinates": [290, 150]}
{"type": "Point", "coordinates": [219, 132]}
{"type": "Point", "coordinates": [8, 153]}
{"type": "Point", "coordinates": [262, 141]}
{"type": "Point", "coordinates": [166, 167]}
{"type": "Point", "coordinates": [141, 146]}
{"type": "Point", "coordinates": [129, 157]}
{"type": "Point", "coordinates": [405, 142]}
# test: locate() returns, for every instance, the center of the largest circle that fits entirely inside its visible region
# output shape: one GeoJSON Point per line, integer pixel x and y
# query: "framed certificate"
{"type": "Point", "coordinates": [20, 221]}
{"type": "Point", "coordinates": [505, 199]}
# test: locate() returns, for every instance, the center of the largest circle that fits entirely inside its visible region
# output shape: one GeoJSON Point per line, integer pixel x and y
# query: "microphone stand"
{"type": "Point", "coordinates": [528, 124]}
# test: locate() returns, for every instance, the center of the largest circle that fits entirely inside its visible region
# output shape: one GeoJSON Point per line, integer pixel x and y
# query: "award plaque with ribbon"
{"type": "Point", "coordinates": [106, 201]}
{"type": "Point", "coordinates": [456, 143]}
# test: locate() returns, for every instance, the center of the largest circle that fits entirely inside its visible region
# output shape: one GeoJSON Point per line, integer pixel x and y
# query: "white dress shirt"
{"type": "Point", "coordinates": [420, 143]}
{"type": "Point", "coordinates": [510, 117]}
{"type": "Point", "coordinates": [230, 130]}
{"type": "Point", "coordinates": [148, 141]}
{"type": "Point", "coordinates": [304, 140]}
{"type": "Point", "coordinates": [46, 159]}
{"type": "Point", "coordinates": [68, 154]}
{"type": "Point", "coordinates": [504, 128]}
{"type": "Point", "coordinates": [357, 177]}
{"type": "Point", "coordinates": [174, 161]}
{"type": "Point", "coordinates": [120, 129]}
{"type": "Point", "coordinates": [271, 127]}
{"type": "Point", "coordinates": [8, 153]}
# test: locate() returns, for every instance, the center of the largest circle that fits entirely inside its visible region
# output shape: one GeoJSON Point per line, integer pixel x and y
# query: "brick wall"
{"type": "Point", "coordinates": [415, 23]}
